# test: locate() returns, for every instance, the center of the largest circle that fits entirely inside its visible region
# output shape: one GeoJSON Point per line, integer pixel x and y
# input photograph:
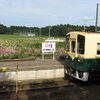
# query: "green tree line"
{"type": "Point", "coordinates": [56, 30]}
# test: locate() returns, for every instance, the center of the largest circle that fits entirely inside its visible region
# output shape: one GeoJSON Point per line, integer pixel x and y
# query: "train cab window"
{"type": "Point", "coordinates": [81, 44]}
{"type": "Point", "coordinates": [73, 43]}
{"type": "Point", "coordinates": [98, 48]}
{"type": "Point", "coordinates": [67, 42]}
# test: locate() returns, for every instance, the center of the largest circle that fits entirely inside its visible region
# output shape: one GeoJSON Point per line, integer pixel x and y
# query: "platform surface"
{"type": "Point", "coordinates": [35, 64]}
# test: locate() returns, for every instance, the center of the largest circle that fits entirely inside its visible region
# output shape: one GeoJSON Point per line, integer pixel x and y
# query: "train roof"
{"type": "Point", "coordinates": [85, 33]}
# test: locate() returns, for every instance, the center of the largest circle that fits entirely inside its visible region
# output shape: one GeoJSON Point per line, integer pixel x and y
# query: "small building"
{"type": "Point", "coordinates": [54, 40]}
{"type": "Point", "coordinates": [30, 34]}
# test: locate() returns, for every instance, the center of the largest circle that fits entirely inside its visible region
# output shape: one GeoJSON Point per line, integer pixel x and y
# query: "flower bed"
{"type": "Point", "coordinates": [21, 46]}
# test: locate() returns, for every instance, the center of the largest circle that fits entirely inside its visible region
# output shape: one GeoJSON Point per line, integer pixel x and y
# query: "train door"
{"type": "Point", "coordinates": [73, 48]}
{"type": "Point", "coordinates": [71, 54]}
{"type": "Point", "coordinates": [72, 51]}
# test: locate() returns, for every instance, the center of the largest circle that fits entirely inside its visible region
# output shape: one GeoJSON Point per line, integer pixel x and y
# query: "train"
{"type": "Point", "coordinates": [82, 55]}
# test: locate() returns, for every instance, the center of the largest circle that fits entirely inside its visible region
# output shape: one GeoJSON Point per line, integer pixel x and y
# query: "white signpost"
{"type": "Point", "coordinates": [48, 47]}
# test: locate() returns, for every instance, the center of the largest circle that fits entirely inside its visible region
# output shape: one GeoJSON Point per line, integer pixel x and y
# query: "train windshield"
{"type": "Point", "coordinates": [81, 44]}
{"type": "Point", "coordinates": [67, 42]}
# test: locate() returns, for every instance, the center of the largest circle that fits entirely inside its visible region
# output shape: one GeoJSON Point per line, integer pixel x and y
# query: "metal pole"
{"type": "Point", "coordinates": [96, 25]}
{"type": "Point", "coordinates": [49, 31]}
{"type": "Point", "coordinates": [85, 21]}
{"type": "Point", "coordinates": [17, 81]}
{"type": "Point", "coordinates": [40, 31]}
{"type": "Point", "coordinates": [84, 27]}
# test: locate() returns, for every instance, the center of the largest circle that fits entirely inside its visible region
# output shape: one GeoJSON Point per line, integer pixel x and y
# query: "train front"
{"type": "Point", "coordinates": [83, 55]}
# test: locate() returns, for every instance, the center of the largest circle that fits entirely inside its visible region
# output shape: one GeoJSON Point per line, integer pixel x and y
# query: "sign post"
{"type": "Point", "coordinates": [48, 47]}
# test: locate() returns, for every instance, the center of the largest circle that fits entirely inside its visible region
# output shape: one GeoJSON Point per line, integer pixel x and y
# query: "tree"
{"type": "Point", "coordinates": [4, 29]}
{"type": "Point", "coordinates": [56, 30]}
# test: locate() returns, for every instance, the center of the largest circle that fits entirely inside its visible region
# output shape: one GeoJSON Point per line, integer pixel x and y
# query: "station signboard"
{"type": "Point", "coordinates": [48, 47]}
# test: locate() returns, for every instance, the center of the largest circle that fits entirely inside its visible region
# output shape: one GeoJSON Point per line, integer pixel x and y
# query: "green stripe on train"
{"type": "Point", "coordinates": [85, 65]}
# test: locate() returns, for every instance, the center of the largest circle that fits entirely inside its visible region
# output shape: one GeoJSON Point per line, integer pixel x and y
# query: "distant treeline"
{"type": "Point", "coordinates": [57, 30]}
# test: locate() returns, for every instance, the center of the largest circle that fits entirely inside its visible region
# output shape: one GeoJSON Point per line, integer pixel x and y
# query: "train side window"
{"type": "Point", "coordinates": [81, 44]}
{"type": "Point", "coordinates": [67, 42]}
{"type": "Point", "coordinates": [98, 48]}
{"type": "Point", "coordinates": [73, 43]}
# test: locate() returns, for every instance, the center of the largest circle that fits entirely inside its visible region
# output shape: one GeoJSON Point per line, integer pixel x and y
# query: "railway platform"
{"type": "Point", "coordinates": [31, 69]}
{"type": "Point", "coordinates": [31, 64]}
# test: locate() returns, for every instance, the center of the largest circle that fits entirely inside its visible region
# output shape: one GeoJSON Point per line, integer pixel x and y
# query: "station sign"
{"type": "Point", "coordinates": [48, 47]}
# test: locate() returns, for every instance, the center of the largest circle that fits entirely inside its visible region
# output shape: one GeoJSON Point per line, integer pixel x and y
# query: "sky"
{"type": "Point", "coordinates": [41, 13]}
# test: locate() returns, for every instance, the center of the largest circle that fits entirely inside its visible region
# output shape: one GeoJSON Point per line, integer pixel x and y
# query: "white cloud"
{"type": "Point", "coordinates": [23, 9]}
{"type": "Point", "coordinates": [48, 11]}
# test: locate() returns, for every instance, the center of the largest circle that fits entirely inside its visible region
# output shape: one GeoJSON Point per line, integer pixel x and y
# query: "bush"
{"type": "Point", "coordinates": [60, 44]}
{"type": "Point", "coordinates": [37, 45]}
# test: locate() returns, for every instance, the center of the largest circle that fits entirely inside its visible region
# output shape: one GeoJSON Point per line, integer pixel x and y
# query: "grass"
{"type": "Point", "coordinates": [61, 45]}
{"type": "Point", "coordinates": [14, 46]}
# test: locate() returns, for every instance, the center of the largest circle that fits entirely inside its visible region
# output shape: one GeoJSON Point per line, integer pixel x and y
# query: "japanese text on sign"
{"type": "Point", "coordinates": [48, 47]}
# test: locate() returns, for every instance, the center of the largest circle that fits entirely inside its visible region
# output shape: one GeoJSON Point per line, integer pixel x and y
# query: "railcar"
{"type": "Point", "coordinates": [83, 55]}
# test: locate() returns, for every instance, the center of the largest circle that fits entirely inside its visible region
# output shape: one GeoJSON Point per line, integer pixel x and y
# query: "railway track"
{"type": "Point", "coordinates": [74, 91]}
{"type": "Point", "coordinates": [35, 86]}
{"type": "Point", "coordinates": [45, 85]}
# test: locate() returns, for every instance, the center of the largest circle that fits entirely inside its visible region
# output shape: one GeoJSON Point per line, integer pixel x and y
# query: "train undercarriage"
{"type": "Point", "coordinates": [83, 76]}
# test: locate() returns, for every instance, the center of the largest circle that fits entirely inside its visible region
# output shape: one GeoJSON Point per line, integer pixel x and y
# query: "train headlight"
{"type": "Point", "coordinates": [80, 60]}
{"type": "Point", "coordinates": [67, 57]}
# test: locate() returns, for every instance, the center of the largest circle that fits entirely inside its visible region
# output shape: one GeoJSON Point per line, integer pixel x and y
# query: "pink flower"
{"type": "Point", "coordinates": [10, 50]}
{"type": "Point", "coordinates": [1, 50]}
{"type": "Point", "coordinates": [7, 51]}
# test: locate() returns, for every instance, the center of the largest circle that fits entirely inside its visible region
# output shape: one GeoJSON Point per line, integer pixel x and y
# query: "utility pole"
{"type": "Point", "coordinates": [85, 19]}
{"type": "Point", "coordinates": [96, 24]}
{"type": "Point", "coordinates": [40, 31]}
{"type": "Point", "coordinates": [84, 28]}
{"type": "Point", "coordinates": [49, 31]}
